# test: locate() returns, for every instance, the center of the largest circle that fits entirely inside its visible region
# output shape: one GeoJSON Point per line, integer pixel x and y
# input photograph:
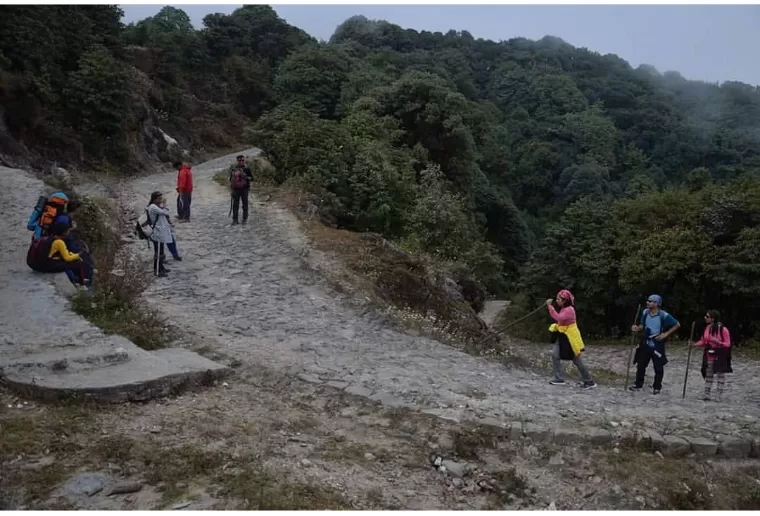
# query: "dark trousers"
{"type": "Point", "coordinates": [641, 369]}
{"type": "Point", "coordinates": [158, 258]}
{"type": "Point", "coordinates": [78, 272]}
{"type": "Point", "coordinates": [237, 196]}
{"type": "Point", "coordinates": [77, 246]}
{"type": "Point", "coordinates": [172, 247]}
{"type": "Point", "coordinates": [183, 205]}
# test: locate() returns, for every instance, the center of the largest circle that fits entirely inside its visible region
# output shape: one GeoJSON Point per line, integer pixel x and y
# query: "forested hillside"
{"type": "Point", "coordinates": [535, 164]}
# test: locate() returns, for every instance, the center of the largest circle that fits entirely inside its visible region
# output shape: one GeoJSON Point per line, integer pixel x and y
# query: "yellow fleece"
{"type": "Point", "coordinates": [573, 336]}
{"type": "Point", "coordinates": [59, 247]}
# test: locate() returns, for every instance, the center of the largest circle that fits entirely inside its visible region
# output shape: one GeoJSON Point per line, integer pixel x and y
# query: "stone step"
{"type": "Point", "coordinates": [113, 371]}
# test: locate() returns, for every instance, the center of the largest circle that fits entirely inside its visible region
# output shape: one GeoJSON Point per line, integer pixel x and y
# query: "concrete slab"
{"type": "Point", "coordinates": [141, 376]}
{"type": "Point", "coordinates": [675, 446]}
{"type": "Point", "coordinates": [702, 446]}
{"type": "Point", "coordinates": [734, 447]}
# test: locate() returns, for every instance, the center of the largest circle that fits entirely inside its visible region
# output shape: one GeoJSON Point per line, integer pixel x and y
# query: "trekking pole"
{"type": "Point", "coordinates": [688, 359]}
{"type": "Point", "coordinates": [508, 326]}
{"type": "Point", "coordinates": [630, 353]}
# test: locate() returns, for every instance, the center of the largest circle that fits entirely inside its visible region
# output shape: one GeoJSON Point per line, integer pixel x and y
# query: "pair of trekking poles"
{"type": "Point", "coordinates": [630, 356]}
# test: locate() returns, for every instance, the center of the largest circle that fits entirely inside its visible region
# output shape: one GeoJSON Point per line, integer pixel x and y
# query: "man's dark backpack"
{"type": "Point", "coordinates": [238, 179]}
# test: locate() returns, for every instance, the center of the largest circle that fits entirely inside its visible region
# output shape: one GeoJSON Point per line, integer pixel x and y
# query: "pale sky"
{"type": "Point", "coordinates": [703, 42]}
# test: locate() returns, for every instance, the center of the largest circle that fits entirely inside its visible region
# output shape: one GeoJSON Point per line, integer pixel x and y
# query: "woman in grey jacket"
{"type": "Point", "coordinates": [158, 217]}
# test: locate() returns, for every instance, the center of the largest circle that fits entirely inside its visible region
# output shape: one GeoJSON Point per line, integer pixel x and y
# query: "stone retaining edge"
{"type": "Point", "coordinates": [732, 447]}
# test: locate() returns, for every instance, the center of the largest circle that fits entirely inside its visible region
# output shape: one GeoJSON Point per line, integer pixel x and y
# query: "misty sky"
{"type": "Point", "coordinates": [710, 43]}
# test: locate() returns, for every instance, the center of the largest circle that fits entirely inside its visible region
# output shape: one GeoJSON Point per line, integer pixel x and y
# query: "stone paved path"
{"type": "Point", "coordinates": [245, 291]}
{"type": "Point", "coordinates": [23, 293]}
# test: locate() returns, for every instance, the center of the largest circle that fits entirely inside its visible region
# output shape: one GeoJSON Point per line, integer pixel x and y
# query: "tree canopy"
{"type": "Point", "coordinates": [535, 164]}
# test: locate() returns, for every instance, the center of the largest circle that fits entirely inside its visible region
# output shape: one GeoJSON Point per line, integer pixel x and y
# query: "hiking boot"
{"type": "Point", "coordinates": [589, 385]}
{"type": "Point", "coordinates": [177, 258]}
{"type": "Point", "coordinates": [557, 382]}
{"type": "Point", "coordinates": [235, 222]}
{"type": "Point", "coordinates": [633, 388]}
{"type": "Point", "coordinates": [706, 398]}
{"type": "Point", "coordinates": [162, 274]}
{"type": "Point", "coordinates": [245, 222]}
{"type": "Point", "coordinates": [656, 391]}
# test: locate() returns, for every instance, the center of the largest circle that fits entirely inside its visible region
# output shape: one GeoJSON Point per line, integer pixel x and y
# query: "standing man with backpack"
{"type": "Point", "coordinates": [658, 325]}
{"type": "Point", "coordinates": [240, 185]}
{"type": "Point", "coordinates": [184, 190]}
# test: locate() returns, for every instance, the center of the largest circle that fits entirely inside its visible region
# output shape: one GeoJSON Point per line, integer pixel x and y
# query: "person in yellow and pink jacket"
{"type": "Point", "coordinates": [568, 343]}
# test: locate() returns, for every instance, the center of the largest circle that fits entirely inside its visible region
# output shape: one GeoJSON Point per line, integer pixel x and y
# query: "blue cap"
{"type": "Point", "coordinates": [657, 299]}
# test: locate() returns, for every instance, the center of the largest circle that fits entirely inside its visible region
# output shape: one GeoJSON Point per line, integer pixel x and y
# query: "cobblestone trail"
{"type": "Point", "coordinates": [246, 292]}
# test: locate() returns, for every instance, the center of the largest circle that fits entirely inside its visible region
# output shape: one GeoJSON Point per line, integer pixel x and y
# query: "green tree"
{"type": "Point", "coordinates": [314, 77]}
{"type": "Point", "coordinates": [98, 100]}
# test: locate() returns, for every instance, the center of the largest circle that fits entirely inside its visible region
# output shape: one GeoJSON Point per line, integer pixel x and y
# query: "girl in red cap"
{"type": "Point", "coordinates": [568, 343]}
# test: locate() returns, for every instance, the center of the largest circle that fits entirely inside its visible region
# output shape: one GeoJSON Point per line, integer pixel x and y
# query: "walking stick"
{"type": "Point", "coordinates": [508, 326]}
{"type": "Point", "coordinates": [630, 353]}
{"type": "Point", "coordinates": [688, 360]}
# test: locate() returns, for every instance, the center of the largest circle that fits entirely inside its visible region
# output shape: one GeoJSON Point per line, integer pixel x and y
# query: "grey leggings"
{"type": "Point", "coordinates": [557, 364]}
{"type": "Point", "coordinates": [709, 375]}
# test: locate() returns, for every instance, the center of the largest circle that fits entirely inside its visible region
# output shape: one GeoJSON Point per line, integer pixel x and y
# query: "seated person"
{"type": "Point", "coordinates": [73, 242]}
{"type": "Point", "coordinates": [50, 254]}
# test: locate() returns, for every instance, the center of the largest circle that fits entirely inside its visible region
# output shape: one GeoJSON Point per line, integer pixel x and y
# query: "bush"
{"type": "Point", "coordinates": [116, 305]}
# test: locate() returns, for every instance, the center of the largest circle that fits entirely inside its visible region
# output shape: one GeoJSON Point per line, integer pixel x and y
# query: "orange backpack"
{"type": "Point", "coordinates": [53, 207]}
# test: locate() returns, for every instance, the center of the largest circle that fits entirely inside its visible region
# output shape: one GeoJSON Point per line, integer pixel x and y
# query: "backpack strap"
{"type": "Point", "coordinates": [153, 225]}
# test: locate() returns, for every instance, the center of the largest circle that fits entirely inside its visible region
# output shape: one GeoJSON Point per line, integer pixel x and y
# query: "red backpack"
{"type": "Point", "coordinates": [39, 251]}
{"type": "Point", "coordinates": [238, 180]}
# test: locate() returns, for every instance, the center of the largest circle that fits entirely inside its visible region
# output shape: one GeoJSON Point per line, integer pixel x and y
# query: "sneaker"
{"type": "Point", "coordinates": [235, 222]}
{"type": "Point", "coordinates": [706, 398]}
{"type": "Point", "coordinates": [655, 391]}
{"type": "Point", "coordinates": [162, 274]}
{"type": "Point", "coordinates": [557, 382]}
{"type": "Point", "coordinates": [589, 385]}
{"type": "Point", "coordinates": [177, 258]}
{"type": "Point", "coordinates": [633, 388]}
{"type": "Point", "coordinates": [245, 222]}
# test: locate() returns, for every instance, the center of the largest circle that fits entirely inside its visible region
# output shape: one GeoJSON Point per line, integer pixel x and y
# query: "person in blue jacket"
{"type": "Point", "coordinates": [657, 326]}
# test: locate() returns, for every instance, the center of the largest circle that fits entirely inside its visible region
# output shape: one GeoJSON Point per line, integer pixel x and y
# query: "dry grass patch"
{"type": "Point", "coordinates": [682, 484]}
{"type": "Point", "coordinates": [262, 491]}
{"type": "Point", "coordinates": [36, 446]}
{"type": "Point", "coordinates": [242, 481]}
{"type": "Point", "coordinates": [340, 450]}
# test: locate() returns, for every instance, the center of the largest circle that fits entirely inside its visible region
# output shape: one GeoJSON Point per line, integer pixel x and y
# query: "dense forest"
{"type": "Point", "coordinates": [535, 164]}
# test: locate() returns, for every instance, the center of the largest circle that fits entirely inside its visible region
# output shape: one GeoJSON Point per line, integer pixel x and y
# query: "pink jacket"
{"type": "Point", "coordinates": [723, 340]}
{"type": "Point", "coordinates": [564, 317]}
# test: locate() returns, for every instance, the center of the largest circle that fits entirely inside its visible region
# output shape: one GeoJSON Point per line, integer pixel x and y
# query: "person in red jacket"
{"type": "Point", "coordinates": [184, 190]}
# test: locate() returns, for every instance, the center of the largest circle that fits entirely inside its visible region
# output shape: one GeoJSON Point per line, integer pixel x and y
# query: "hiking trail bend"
{"type": "Point", "coordinates": [246, 292]}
